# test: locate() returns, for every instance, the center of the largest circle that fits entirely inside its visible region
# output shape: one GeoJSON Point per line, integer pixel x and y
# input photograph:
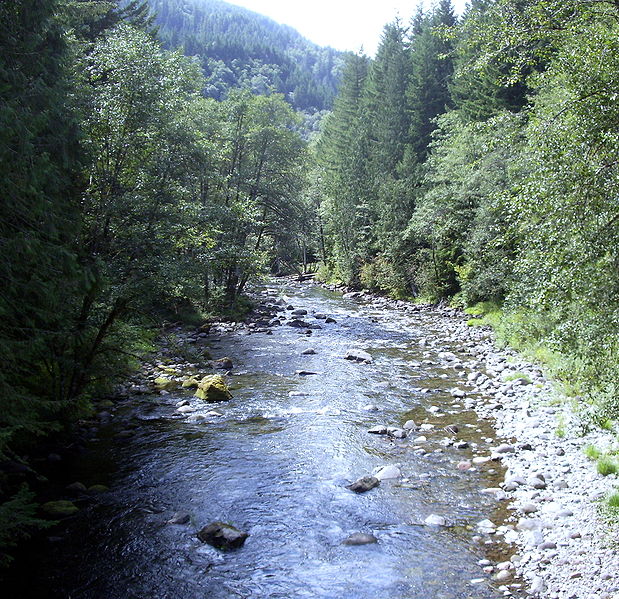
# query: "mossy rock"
{"type": "Point", "coordinates": [169, 370]}
{"type": "Point", "coordinates": [98, 489]}
{"type": "Point", "coordinates": [106, 404]}
{"type": "Point", "coordinates": [164, 384]}
{"type": "Point", "coordinates": [192, 381]}
{"type": "Point", "coordinates": [60, 509]}
{"type": "Point", "coordinates": [213, 388]}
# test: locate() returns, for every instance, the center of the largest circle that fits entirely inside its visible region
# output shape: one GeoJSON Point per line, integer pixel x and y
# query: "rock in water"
{"type": "Point", "coordinates": [222, 536]}
{"type": "Point", "coordinates": [179, 518]}
{"type": "Point", "coordinates": [213, 388]}
{"type": "Point", "coordinates": [223, 364]}
{"type": "Point", "coordinates": [435, 520]}
{"type": "Point", "coordinates": [388, 472]}
{"type": "Point", "coordinates": [298, 324]}
{"type": "Point", "coordinates": [308, 352]}
{"type": "Point", "coordinates": [358, 355]}
{"type": "Point", "coordinates": [360, 538]}
{"type": "Point", "coordinates": [364, 484]}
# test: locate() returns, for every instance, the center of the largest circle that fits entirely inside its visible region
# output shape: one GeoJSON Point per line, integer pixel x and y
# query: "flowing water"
{"type": "Point", "coordinates": [277, 466]}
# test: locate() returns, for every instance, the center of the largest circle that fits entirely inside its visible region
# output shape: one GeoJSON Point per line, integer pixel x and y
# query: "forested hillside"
{"type": "Point", "coordinates": [239, 48]}
{"type": "Point", "coordinates": [476, 163]}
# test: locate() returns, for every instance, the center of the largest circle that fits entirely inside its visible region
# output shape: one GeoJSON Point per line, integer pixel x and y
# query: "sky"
{"type": "Point", "coordinates": [341, 24]}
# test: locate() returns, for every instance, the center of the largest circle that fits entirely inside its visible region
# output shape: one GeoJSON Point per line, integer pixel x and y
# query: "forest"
{"type": "Point", "coordinates": [473, 162]}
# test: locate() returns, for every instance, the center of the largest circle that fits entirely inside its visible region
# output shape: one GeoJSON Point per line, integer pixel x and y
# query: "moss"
{"type": "Point", "coordinates": [60, 509]}
{"type": "Point", "coordinates": [192, 381]}
{"type": "Point", "coordinates": [98, 489]}
{"type": "Point", "coordinates": [166, 384]}
{"type": "Point", "coordinates": [213, 388]}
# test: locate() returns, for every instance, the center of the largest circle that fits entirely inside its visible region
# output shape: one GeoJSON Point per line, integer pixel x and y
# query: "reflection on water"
{"type": "Point", "coordinates": [276, 466]}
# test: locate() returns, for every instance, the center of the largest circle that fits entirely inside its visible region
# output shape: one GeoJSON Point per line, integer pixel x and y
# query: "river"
{"type": "Point", "coordinates": [276, 464]}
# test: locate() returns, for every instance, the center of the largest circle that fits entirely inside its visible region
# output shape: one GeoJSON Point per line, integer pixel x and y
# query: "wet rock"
{"type": "Point", "coordinates": [486, 526]}
{"type": "Point", "coordinates": [320, 316]}
{"type": "Point", "coordinates": [378, 430]}
{"type": "Point", "coordinates": [76, 488]}
{"type": "Point", "coordinates": [330, 320]}
{"type": "Point", "coordinates": [299, 312]}
{"type": "Point", "coordinates": [164, 384]}
{"type": "Point", "coordinates": [305, 373]}
{"type": "Point", "coordinates": [388, 472]}
{"type": "Point", "coordinates": [308, 352]}
{"type": "Point", "coordinates": [360, 538]}
{"type": "Point", "coordinates": [397, 433]}
{"type": "Point", "coordinates": [98, 489]}
{"type": "Point", "coordinates": [185, 410]}
{"type": "Point", "coordinates": [435, 520]}
{"type": "Point", "coordinates": [452, 429]}
{"type": "Point", "coordinates": [358, 355]}
{"type": "Point", "coordinates": [298, 324]}
{"type": "Point", "coordinates": [536, 483]}
{"type": "Point", "coordinates": [222, 536]}
{"type": "Point", "coordinates": [504, 448]}
{"type": "Point", "coordinates": [213, 388]}
{"type": "Point", "coordinates": [410, 425]}
{"type": "Point", "coordinates": [371, 408]}
{"type": "Point", "coordinates": [179, 518]}
{"type": "Point", "coordinates": [223, 364]}
{"type": "Point", "coordinates": [60, 509]}
{"type": "Point", "coordinates": [364, 484]}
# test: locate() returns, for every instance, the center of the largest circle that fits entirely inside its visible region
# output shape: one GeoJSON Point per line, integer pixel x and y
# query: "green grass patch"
{"type": "Point", "coordinates": [607, 465]}
{"type": "Point", "coordinates": [591, 451]}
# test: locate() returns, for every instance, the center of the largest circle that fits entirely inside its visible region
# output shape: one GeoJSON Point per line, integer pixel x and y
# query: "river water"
{"type": "Point", "coordinates": [276, 464]}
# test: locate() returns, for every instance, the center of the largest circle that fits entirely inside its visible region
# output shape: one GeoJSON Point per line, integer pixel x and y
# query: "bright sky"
{"type": "Point", "coordinates": [341, 24]}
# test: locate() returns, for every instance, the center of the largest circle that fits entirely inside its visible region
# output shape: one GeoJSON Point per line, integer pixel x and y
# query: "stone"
{"type": "Point", "coordinates": [213, 388]}
{"type": "Point", "coordinates": [308, 352]}
{"type": "Point", "coordinates": [360, 538]}
{"type": "Point", "coordinates": [358, 355]}
{"type": "Point", "coordinates": [222, 536]}
{"type": "Point", "coordinates": [435, 520]}
{"type": "Point", "coordinates": [320, 316]}
{"type": "Point", "coordinates": [536, 483]}
{"type": "Point", "coordinates": [486, 526]}
{"type": "Point", "coordinates": [299, 312]}
{"type": "Point", "coordinates": [364, 484]}
{"type": "Point", "coordinates": [387, 472]}
{"type": "Point", "coordinates": [164, 384]}
{"type": "Point", "coordinates": [398, 433]}
{"type": "Point", "coordinates": [529, 508]}
{"type": "Point", "coordinates": [538, 586]}
{"type": "Point", "coordinates": [503, 575]}
{"type": "Point", "coordinates": [409, 425]}
{"type": "Point", "coordinates": [305, 372]}
{"type": "Point", "coordinates": [298, 324]}
{"type": "Point", "coordinates": [179, 518]}
{"type": "Point", "coordinates": [504, 448]}
{"type": "Point", "coordinates": [331, 320]}
{"type": "Point", "coordinates": [76, 488]}
{"type": "Point", "coordinates": [190, 382]}
{"type": "Point", "coordinates": [223, 364]}
{"type": "Point", "coordinates": [60, 509]}
{"type": "Point", "coordinates": [98, 489]}
{"type": "Point", "coordinates": [378, 430]}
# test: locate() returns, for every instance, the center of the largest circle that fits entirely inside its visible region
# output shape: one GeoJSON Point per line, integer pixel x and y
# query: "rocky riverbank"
{"type": "Point", "coordinates": [564, 547]}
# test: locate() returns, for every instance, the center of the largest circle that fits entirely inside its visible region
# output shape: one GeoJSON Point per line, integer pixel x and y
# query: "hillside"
{"type": "Point", "coordinates": [240, 48]}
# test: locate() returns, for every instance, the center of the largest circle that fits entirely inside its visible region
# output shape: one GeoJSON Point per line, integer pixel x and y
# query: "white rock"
{"type": "Point", "coordinates": [387, 472]}
{"type": "Point", "coordinates": [435, 520]}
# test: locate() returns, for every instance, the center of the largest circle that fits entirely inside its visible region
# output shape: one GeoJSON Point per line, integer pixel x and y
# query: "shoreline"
{"type": "Point", "coordinates": [563, 546]}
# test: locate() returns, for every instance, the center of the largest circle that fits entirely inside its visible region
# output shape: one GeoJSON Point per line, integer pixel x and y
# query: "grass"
{"type": "Point", "coordinates": [591, 451]}
{"type": "Point", "coordinates": [613, 500]}
{"type": "Point", "coordinates": [517, 375]}
{"type": "Point", "coordinates": [607, 465]}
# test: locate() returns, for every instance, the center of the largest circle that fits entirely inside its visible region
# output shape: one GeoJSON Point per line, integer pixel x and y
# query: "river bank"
{"type": "Point", "coordinates": [565, 547]}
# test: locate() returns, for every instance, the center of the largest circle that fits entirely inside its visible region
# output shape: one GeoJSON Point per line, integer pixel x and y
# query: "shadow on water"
{"type": "Point", "coordinates": [275, 462]}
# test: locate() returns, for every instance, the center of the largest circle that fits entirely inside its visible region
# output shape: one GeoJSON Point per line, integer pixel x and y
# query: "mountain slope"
{"type": "Point", "coordinates": [240, 48]}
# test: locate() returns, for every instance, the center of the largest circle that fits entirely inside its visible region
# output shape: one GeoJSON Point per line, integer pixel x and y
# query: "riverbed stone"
{"type": "Point", "coordinates": [299, 312]}
{"type": "Point", "coordinates": [222, 536]}
{"type": "Point", "coordinates": [213, 388]}
{"type": "Point", "coordinates": [223, 364]}
{"type": "Point", "coordinates": [298, 324]}
{"type": "Point", "coordinates": [409, 425]}
{"type": "Point", "coordinates": [378, 430]}
{"type": "Point", "coordinates": [366, 483]}
{"type": "Point", "coordinates": [310, 351]}
{"type": "Point", "coordinates": [358, 355]}
{"type": "Point", "coordinates": [388, 472]}
{"type": "Point", "coordinates": [179, 518]}
{"type": "Point", "coordinates": [435, 520]}
{"type": "Point", "coordinates": [360, 538]}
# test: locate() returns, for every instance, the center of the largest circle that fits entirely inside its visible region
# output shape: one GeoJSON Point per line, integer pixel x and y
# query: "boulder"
{"type": "Point", "coordinates": [308, 352]}
{"type": "Point", "coordinates": [298, 324]}
{"type": "Point", "coordinates": [213, 388]}
{"type": "Point", "coordinates": [330, 320]}
{"type": "Point", "coordinates": [358, 355]}
{"type": "Point", "coordinates": [388, 472]}
{"type": "Point", "coordinates": [222, 536]}
{"type": "Point", "coordinates": [435, 520]}
{"type": "Point", "coordinates": [364, 484]}
{"type": "Point", "coordinates": [299, 312]}
{"type": "Point", "coordinates": [164, 384]}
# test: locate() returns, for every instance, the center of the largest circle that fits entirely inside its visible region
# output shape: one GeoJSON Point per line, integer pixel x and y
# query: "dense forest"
{"type": "Point", "coordinates": [472, 161]}
{"type": "Point", "coordinates": [239, 48]}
